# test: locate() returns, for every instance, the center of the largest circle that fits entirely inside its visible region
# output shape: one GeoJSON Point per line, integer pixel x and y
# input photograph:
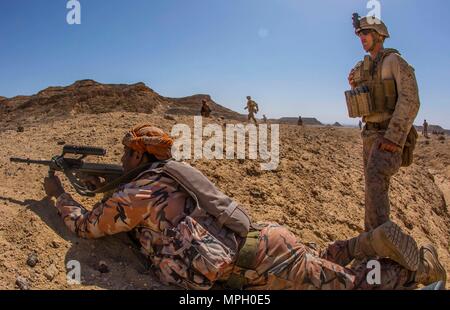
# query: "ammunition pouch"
{"type": "Point", "coordinates": [384, 96]}
{"type": "Point", "coordinates": [374, 98]}
{"type": "Point", "coordinates": [359, 102]}
{"type": "Point", "coordinates": [246, 261]}
{"type": "Point", "coordinates": [408, 149]}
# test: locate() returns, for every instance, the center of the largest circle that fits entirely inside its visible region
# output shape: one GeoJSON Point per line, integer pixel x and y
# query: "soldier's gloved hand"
{"type": "Point", "coordinates": [53, 186]}
{"type": "Point", "coordinates": [351, 80]}
{"type": "Point", "coordinates": [388, 146]}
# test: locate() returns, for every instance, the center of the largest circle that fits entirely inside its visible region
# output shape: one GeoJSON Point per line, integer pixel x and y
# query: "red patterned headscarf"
{"type": "Point", "coordinates": [150, 139]}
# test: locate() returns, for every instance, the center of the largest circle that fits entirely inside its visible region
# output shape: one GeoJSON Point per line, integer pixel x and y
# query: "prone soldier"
{"type": "Point", "coordinates": [195, 236]}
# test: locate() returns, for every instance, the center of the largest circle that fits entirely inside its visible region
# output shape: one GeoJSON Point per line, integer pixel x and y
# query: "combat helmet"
{"type": "Point", "coordinates": [372, 23]}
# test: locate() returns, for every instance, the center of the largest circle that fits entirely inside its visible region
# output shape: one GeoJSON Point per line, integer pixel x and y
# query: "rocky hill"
{"type": "Point", "coordinates": [317, 189]}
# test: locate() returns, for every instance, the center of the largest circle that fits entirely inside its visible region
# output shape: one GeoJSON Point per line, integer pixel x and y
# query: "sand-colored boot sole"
{"type": "Point", "coordinates": [438, 269]}
{"type": "Point", "coordinates": [388, 240]}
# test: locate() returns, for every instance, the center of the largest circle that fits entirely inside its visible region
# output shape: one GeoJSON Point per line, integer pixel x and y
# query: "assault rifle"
{"type": "Point", "coordinates": [76, 168]}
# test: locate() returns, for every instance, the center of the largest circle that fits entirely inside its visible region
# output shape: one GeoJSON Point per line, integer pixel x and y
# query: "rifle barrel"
{"type": "Point", "coordinates": [30, 161]}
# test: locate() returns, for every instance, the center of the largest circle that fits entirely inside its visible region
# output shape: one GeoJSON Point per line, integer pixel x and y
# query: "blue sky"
{"type": "Point", "coordinates": [292, 56]}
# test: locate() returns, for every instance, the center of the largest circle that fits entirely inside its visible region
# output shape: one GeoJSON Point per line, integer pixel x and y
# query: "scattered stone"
{"type": "Point", "coordinates": [20, 129]}
{"type": "Point", "coordinates": [32, 259]}
{"type": "Point", "coordinates": [51, 272]}
{"type": "Point", "coordinates": [22, 283]}
{"type": "Point", "coordinates": [103, 267]}
{"type": "Point", "coordinates": [61, 142]}
{"type": "Point", "coordinates": [54, 244]}
{"type": "Point", "coordinates": [169, 117]}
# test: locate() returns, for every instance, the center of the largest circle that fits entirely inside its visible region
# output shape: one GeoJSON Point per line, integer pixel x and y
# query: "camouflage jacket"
{"type": "Point", "coordinates": [408, 102]}
{"type": "Point", "coordinates": [181, 250]}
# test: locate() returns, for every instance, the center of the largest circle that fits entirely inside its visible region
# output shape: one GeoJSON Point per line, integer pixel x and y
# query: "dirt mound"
{"type": "Point", "coordinates": [317, 190]}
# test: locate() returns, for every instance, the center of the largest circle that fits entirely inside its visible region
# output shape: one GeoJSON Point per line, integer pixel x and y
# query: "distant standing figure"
{"type": "Point", "coordinates": [252, 108]}
{"type": "Point", "coordinates": [360, 125]}
{"type": "Point", "coordinates": [425, 129]}
{"type": "Point", "coordinates": [206, 110]}
{"type": "Point", "coordinates": [300, 121]}
{"type": "Point", "coordinates": [264, 118]}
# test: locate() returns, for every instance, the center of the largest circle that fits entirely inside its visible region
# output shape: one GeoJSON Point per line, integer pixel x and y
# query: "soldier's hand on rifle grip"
{"type": "Point", "coordinates": [53, 186]}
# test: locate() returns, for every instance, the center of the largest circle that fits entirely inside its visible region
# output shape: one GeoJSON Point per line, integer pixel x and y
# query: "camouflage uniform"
{"type": "Point", "coordinates": [380, 166]}
{"type": "Point", "coordinates": [184, 253]}
{"type": "Point", "coordinates": [252, 107]}
{"type": "Point", "coordinates": [392, 123]}
{"type": "Point", "coordinates": [282, 262]}
{"type": "Point", "coordinates": [425, 129]}
{"type": "Point", "coordinates": [205, 110]}
{"type": "Point", "coordinates": [181, 250]}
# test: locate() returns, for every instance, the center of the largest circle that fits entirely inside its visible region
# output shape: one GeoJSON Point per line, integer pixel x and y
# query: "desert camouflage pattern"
{"type": "Point", "coordinates": [156, 209]}
{"type": "Point", "coordinates": [283, 262]}
{"type": "Point", "coordinates": [379, 167]}
{"type": "Point", "coordinates": [184, 253]}
{"type": "Point", "coordinates": [205, 110]}
{"type": "Point", "coordinates": [373, 23]}
{"type": "Point", "coordinates": [252, 108]}
{"type": "Point", "coordinates": [408, 102]}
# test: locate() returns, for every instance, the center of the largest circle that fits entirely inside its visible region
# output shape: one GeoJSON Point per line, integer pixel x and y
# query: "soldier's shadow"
{"type": "Point", "coordinates": [126, 267]}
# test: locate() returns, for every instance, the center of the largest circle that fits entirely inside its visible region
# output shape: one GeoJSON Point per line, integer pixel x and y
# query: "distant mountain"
{"type": "Point", "coordinates": [293, 120]}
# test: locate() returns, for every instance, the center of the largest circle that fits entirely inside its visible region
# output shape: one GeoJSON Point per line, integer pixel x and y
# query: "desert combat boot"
{"type": "Point", "coordinates": [430, 268]}
{"type": "Point", "coordinates": [387, 240]}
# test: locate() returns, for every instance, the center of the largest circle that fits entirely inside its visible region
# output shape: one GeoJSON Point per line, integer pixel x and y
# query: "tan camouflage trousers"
{"type": "Point", "coordinates": [283, 263]}
{"type": "Point", "coordinates": [250, 117]}
{"type": "Point", "coordinates": [379, 167]}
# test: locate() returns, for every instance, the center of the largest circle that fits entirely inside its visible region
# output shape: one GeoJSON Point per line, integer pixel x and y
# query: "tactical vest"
{"type": "Point", "coordinates": [372, 94]}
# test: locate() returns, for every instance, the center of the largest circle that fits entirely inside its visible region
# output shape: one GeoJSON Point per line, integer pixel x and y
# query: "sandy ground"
{"type": "Point", "coordinates": [317, 191]}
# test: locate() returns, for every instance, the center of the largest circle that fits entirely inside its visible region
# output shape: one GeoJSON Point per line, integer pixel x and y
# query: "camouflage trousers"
{"type": "Point", "coordinates": [379, 167]}
{"type": "Point", "coordinates": [251, 116]}
{"type": "Point", "coordinates": [283, 263]}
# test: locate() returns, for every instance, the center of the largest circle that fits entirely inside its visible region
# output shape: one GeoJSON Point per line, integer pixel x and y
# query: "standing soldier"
{"type": "Point", "coordinates": [385, 94]}
{"type": "Point", "coordinates": [252, 108]}
{"type": "Point", "coordinates": [206, 110]}
{"type": "Point", "coordinates": [264, 118]}
{"type": "Point", "coordinates": [360, 125]}
{"type": "Point", "coordinates": [300, 121]}
{"type": "Point", "coordinates": [425, 129]}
